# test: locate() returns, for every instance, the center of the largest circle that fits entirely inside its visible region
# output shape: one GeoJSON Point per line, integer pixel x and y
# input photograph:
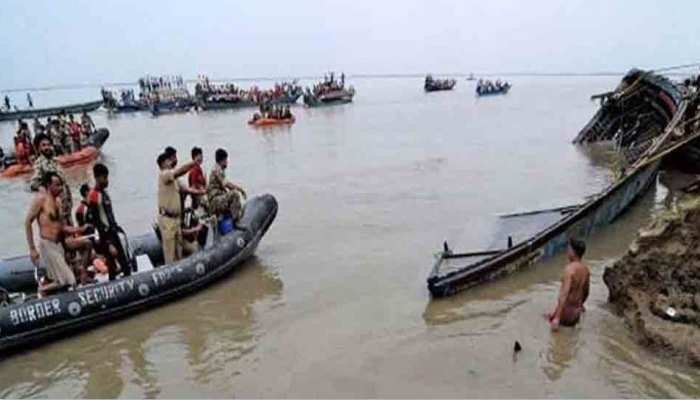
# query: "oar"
{"type": "Point", "coordinates": [562, 209]}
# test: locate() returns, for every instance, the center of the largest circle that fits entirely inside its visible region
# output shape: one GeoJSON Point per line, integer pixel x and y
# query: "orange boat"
{"type": "Point", "coordinates": [88, 154]}
{"type": "Point", "coordinates": [271, 121]}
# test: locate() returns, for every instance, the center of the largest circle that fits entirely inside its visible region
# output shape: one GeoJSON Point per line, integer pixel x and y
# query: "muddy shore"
{"type": "Point", "coordinates": [655, 286]}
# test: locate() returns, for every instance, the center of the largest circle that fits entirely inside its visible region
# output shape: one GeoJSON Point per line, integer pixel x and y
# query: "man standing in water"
{"type": "Point", "coordinates": [574, 288]}
{"type": "Point", "coordinates": [44, 164]}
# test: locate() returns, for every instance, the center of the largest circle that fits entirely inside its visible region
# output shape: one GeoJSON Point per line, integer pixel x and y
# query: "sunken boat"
{"type": "Point", "coordinates": [45, 112]}
{"type": "Point", "coordinates": [126, 104]}
{"type": "Point", "coordinates": [26, 320]}
{"type": "Point", "coordinates": [642, 99]}
{"type": "Point", "coordinates": [435, 85]}
{"type": "Point", "coordinates": [545, 232]}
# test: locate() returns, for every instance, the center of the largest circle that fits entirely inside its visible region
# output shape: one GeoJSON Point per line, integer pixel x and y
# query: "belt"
{"type": "Point", "coordinates": [168, 214]}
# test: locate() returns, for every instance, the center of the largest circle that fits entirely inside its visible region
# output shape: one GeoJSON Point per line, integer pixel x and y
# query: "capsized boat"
{"type": "Point", "coordinates": [85, 156]}
{"type": "Point", "coordinates": [45, 112]}
{"type": "Point", "coordinates": [25, 321]}
{"type": "Point", "coordinates": [549, 231]}
{"type": "Point", "coordinates": [271, 121]}
{"type": "Point", "coordinates": [639, 93]}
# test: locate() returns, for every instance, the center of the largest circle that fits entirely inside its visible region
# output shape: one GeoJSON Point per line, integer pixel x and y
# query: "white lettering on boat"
{"type": "Point", "coordinates": [102, 294]}
{"type": "Point", "coordinates": [35, 311]}
{"type": "Point", "coordinates": [161, 277]}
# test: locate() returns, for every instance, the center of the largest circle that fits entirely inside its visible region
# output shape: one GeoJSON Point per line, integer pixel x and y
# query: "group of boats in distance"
{"type": "Point", "coordinates": [170, 94]}
{"type": "Point", "coordinates": [483, 87]}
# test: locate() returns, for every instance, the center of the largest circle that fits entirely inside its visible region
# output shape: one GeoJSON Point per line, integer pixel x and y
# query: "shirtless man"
{"type": "Point", "coordinates": [45, 210]}
{"type": "Point", "coordinates": [574, 288]}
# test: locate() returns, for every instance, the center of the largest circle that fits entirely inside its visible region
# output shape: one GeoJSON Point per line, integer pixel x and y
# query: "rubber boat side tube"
{"type": "Point", "coordinates": [39, 320]}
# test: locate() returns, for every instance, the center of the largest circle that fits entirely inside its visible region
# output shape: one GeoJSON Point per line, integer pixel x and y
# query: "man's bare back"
{"type": "Point", "coordinates": [575, 283]}
{"type": "Point", "coordinates": [577, 274]}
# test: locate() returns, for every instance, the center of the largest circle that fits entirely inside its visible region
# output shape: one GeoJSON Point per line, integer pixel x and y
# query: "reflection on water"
{"type": "Point", "coordinates": [144, 355]}
{"type": "Point", "coordinates": [561, 351]}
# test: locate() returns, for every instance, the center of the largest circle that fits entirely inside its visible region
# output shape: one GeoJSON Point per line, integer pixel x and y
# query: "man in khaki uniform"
{"type": "Point", "coordinates": [170, 206]}
{"type": "Point", "coordinates": [223, 195]}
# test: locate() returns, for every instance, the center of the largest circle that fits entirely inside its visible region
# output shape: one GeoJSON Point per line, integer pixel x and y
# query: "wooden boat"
{"type": "Point", "coordinates": [491, 92]}
{"type": "Point", "coordinates": [290, 98]}
{"type": "Point", "coordinates": [45, 112]}
{"type": "Point", "coordinates": [271, 121]}
{"type": "Point", "coordinates": [25, 320]}
{"type": "Point", "coordinates": [452, 273]}
{"type": "Point", "coordinates": [172, 106]}
{"type": "Point", "coordinates": [579, 221]}
{"type": "Point", "coordinates": [329, 99]}
{"type": "Point", "coordinates": [85, 156]}
{"type": "Point", "coordinates": [639, 93]}
{"type": "Point", "coordinates": [223, 104]}
{"type": "Point", "coordinates": [434, 85]}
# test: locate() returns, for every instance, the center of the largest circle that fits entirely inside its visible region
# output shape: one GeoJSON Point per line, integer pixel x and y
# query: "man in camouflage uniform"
{"type": "Point", "coordinates": [45, 163]}
{"type": "Point", "coordinates": [222, 194]}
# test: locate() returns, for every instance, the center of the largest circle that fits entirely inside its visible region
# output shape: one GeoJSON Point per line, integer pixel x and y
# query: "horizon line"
{"type": "Point", "coordinates": [87, 85]}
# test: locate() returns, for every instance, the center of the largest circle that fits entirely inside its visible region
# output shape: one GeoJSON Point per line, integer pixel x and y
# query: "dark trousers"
{"type": "Point", "coordinates": [112, 238]}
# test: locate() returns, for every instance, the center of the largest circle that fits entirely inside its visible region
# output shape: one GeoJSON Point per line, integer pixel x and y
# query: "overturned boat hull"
{"type": "Point", "coordinates": [38, 320]}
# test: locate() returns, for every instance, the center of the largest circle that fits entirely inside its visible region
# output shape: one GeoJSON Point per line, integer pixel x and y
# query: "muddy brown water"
{"type": "Point", "coordinates": [335, 303]}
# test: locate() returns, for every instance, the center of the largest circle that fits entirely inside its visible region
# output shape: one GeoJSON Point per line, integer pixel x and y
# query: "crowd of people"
{"type": "Point", "coordinates": [162, 89]}
{"type": "Point", "coordinates": [328, 85]}
{"type": "Point", "coordinates": [228, 92]}
{"type": "Point", "coordinates": [484, 86]}
{"type": "Point", "coordinates": [278, 112]}
{"type": "Point", "coordinates": [75, 245]}
{"type": "Point", "coordinates": [65, 132]}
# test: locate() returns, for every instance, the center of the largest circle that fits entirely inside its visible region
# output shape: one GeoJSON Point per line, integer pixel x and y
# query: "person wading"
{"type": "Point", "coordinates": [44, 164]}
{"type": "Point", "coordinates": [170, 206]}
{"type": "Point", "coordinates": [573, 293]}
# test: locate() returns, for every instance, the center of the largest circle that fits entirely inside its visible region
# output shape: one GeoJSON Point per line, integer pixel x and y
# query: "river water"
{"type": "Point", "coordinates": [335, 302]}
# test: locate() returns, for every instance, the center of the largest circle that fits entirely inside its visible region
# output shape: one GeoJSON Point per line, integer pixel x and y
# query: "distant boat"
{"type": "Point", "coordinates": [45, 112]}
{"type": "Point", "coordinates": [434, 85]}
{"type": "Point", "coordinates": [329, 92]}
{"type": "Point", "coordinates": [471, 77]}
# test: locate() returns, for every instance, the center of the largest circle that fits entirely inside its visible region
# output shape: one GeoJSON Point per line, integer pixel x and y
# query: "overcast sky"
{"type": "Point", "coordinates": [65, 42]}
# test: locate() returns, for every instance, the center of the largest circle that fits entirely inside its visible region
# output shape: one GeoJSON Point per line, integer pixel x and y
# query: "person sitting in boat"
{"type": "Point", "coordinates": [575, 283]}
{"type": "Point", "coordinates": [38, 127]}
{"type": "Point", "coordinates": [101, 215]}
{"type": "Point", "coordinates": [75, 132]}
{"type": "Point", "coordinates": [287, 113]}
{"type": "Point", "coordinates": [224, 196]}
{"type": "Point", "coordinates": [193, 233]}
{"type": "Point", "coordinates": [87, 123]}
{"type": "Point", "coordinates": [23, 147]}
